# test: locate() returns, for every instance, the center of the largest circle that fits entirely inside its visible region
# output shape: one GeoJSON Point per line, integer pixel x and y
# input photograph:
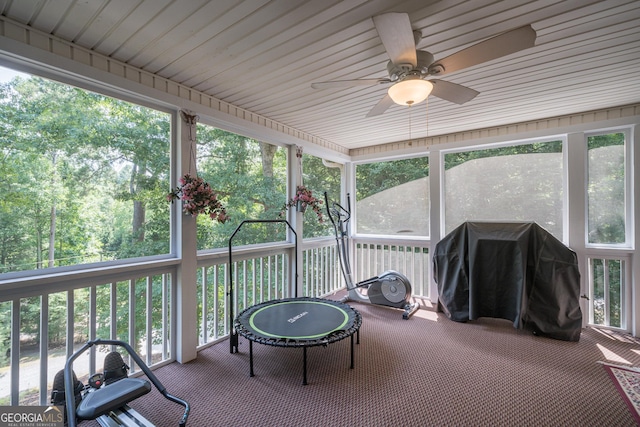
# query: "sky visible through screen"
{"type": "Point", "coordinates": [7, 74]}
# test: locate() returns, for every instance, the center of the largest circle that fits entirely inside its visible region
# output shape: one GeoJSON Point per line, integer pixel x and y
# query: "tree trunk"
{"type": "Point", "coordinates": [52, 235]}
{"type": "Point", "coordinates": [38, 242]}
{"type": "Point", "coordinates": [138, 220]}
{"type": "Point", "coordinates": [137, 224]}
{"type": "Point", "coordinates": [268, 152]}
{"type": "Point", "coordinates": [52, 214]}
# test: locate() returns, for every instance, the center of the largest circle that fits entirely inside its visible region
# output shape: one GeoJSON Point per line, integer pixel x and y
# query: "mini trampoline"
{"type": "Point", "coordinates": [298, 322]}
{"type": "Point", "coordinates": [290, 322]}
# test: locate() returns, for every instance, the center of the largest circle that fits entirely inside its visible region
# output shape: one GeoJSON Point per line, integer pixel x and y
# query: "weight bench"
{"type": "Point", "coordinates": [108, 401]}
{"type": "Point", "coordinates": [108, 404]}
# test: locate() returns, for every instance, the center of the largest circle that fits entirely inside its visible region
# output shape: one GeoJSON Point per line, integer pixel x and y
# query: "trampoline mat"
{"type": "Point", "coordinates": [298, 322]}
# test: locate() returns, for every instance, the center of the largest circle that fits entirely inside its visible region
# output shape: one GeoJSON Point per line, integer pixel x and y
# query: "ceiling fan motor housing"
{"type": "Point", "coordinates": [424, 60]}
{"type": "Point", "coordinates": [400, 71]}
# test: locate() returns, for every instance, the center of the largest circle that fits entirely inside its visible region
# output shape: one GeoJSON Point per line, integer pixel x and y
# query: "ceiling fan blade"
{"type": "Point", "coordinates": [397, 37]}
{"type": "Point", "coordinates": [495, 47]}
{"type": "Point", "coordinates": [452, 92]}
{"type": "Point", "coordinates": [381, 106]}
{"type": "Point", "coordinates": [348, 83]}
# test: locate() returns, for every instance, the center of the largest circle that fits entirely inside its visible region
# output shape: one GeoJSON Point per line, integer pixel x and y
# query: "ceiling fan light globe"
{"type": "Point", "coordinates": [410, 91]}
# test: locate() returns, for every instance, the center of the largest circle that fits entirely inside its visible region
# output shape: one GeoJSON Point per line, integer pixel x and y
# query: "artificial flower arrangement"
{"type": "Point", "coordinates": [302, 199]}
{"type": "Point", "coordinates": [198, 198]}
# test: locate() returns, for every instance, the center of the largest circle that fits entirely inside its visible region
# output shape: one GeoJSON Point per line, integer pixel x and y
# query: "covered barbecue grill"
{"type": "Point", "coordinates": [515, 271]}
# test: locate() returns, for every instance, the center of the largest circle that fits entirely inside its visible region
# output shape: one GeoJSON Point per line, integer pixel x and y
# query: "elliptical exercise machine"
{"type": "Point", "coordinates": [390, 288]}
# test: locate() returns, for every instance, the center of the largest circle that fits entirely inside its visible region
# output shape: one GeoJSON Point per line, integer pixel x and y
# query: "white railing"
{"type": "Point", "coordinates": [609, 295]}
{"type": "Point", "coordinates": [259, 276]}
{"type": "Point", "coordinates": [321, 273]}
{"type": "Point", "coordinates": [101, 304]}
{"type": "Point", "coordinates": [74, 307]}
{"type": "Point", "coordinates": [410, 258]}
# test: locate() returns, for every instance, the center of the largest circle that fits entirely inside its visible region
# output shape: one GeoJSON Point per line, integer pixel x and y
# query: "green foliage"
{"type": "Point", "coordinates": [606, 140]}
{"type": "Point", "coordinates": [454, 159]}
{"type": "Point", "coordinates": [319, 178]}
{"type": "Point", "coordinates": [249, 175]}
{"type": "Point", "coordinates": [609, 272]}
{"type": "Point", "coordinates": [84, 178]}
{"type": "Point", "coordinates": [372, 178]}
{"type": "Point", "coordinates": [73, 164]}
{"type": "Point", "coordinates": [5, 332]}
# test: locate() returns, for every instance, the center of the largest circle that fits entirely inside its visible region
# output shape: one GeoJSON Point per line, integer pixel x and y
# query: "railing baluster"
{"type": "Point", "coordinates": [607, 293]}
{"type": "Point", "coordinates": [245, 287]}
{"type": "Point", "coordinates": [253, 281]}
{"type": "Point", "coordinates": [165, 316]}
{"type": "Point", "coordinates": [323, 269]}
{"type": "Point", "coordinates": [113, 311]}
{"type": "Point", "coordinates": [216, 302]}
{"type": "Point", "coordinates": [44, 346]}
{"type": "Point", "coordinates": [15, 352]}
{"type": "Point", "coordinates": [92, 328]}
{"type": "Point", "coordinates": [132, 321]}
{"type": "Point", "coordinates": [70, 323]}
{"type": "Point", "coordinates": [225, 313]}
{"type": "Point", "coordinates": [269, 277]}
{"type": "Point", "coordinates": [278, 280]}
{"type": "Point", "coordinates": [204, 302]}
{"type": "Point", "coordinates": [149, 308]}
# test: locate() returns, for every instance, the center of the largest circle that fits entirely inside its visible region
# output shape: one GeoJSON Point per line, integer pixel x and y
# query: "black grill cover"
{"type": "Point", "coordinates": [515, 271]}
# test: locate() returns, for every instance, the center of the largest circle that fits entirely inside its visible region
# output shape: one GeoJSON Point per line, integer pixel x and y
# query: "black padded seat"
{"type": "Point", "coordinates": [113, 396]}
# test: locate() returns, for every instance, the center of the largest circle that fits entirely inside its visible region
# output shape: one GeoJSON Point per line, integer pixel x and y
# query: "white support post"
{"type": "Point", "coordinates": [349, 187]}
{"type": "Point", "coordinates": [635, 202]}
{"type": "Point", "coordinates": [576, 210]}
{"type": "Point", "coordinates": [436, 212]}
{"type": "Point", "coordinates": [295, 218]}
{"type": "Point", "coordinates": [186, 297]}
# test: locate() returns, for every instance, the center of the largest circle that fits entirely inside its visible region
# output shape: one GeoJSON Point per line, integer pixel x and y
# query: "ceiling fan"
{"type": "Point", "coordinates": [410, 69]}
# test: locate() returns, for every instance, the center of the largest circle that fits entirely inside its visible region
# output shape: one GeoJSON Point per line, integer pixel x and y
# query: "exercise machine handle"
{"type": "Point", "coordinates": [68, 379]}
{"type": "Point", "coordinates": [326, 203]}
{"type": "Point", "coordinates": [338, 212]}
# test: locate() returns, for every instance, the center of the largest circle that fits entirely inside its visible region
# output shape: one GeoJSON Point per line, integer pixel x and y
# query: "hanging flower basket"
{"type": "Point", "coordinates": [198, 198]}
{"type": "Point", "coordinates": [303, 199]}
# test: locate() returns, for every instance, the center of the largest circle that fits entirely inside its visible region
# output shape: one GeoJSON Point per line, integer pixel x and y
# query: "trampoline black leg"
{"type": "Point", "coordinates": [351, 367]}
{"type": "Point", "coordinates": [250, 358]}
{"type": "Point", "coordinates": [304, 366]}
{"type": "Point", "coordinates": [233, 342]}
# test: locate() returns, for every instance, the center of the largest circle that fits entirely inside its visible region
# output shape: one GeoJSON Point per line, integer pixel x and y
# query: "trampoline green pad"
{"type": "Point", "coordinates": [297, 319]}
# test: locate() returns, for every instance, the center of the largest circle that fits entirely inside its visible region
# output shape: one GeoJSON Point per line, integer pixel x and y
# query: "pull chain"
{"type": "Point", "coordinates": [409, 123]}
{"type": "Point", "coordinates": [427, 111]}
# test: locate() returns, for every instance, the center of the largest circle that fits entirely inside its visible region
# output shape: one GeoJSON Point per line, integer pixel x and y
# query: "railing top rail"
{"type": "Point", "coordinates": [396, 241]}
{"type": "Point", "coordinates": [245, 252]}
{"type": "Point", "coordinates": [59, 282]}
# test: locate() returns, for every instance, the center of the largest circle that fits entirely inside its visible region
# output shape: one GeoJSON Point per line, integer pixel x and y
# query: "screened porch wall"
{"type": "Point", "coordinates": [36, 52]}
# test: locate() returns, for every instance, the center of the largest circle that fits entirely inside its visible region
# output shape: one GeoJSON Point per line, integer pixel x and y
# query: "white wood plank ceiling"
{"type": "Point", "coordinates": [263, 55]}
